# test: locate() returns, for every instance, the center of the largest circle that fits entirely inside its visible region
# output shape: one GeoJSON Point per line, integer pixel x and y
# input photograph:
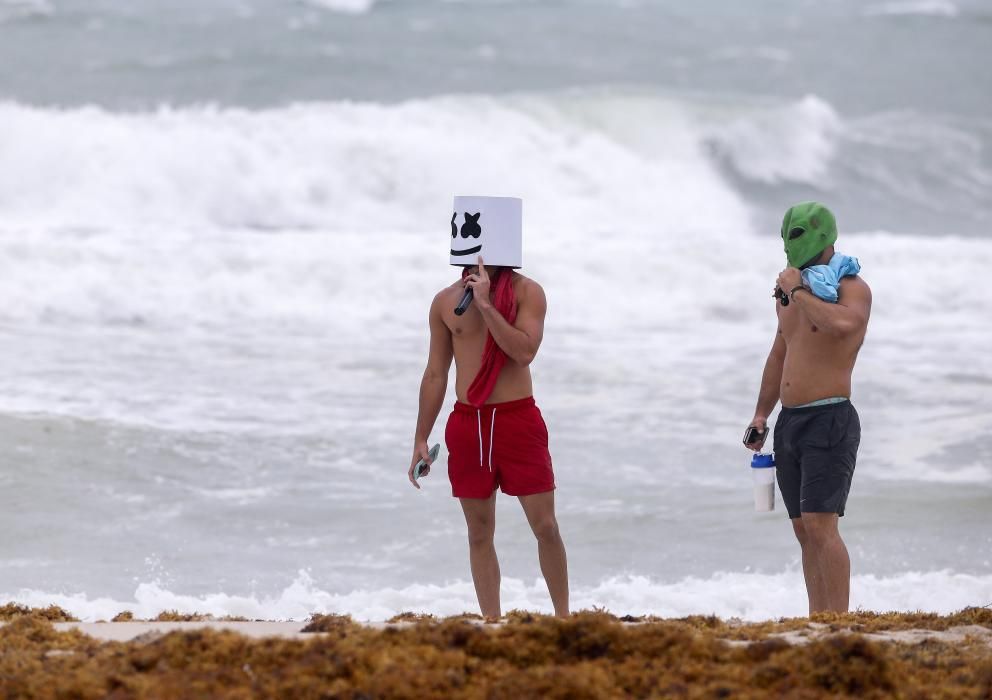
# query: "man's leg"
{"type": "Point", "coordinates": [480, 516]}
{"type": "Point", "coordinates": [832, 565]}
{"type": "Point", "coordinates": [814, 582]}
{"type": "Point", "coordinates": [540, 511]}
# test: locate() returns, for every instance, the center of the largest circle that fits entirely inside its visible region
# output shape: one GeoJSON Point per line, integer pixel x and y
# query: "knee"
{"type": "Point", "coordinates": [546, 530]}
{"type": "Point", "coordinates": [480, 534]}
{"type": "Point", "coordinates": [817, 532]}
{"type": "Point", "coordinates": [800, 530]}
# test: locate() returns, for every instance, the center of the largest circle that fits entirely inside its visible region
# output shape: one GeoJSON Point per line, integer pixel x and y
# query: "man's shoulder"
{"type": "Point", "coordinates": [451, 290]}
{"type": "Point", "coordinates": [855, 283]}
{"type": "Point", "coordinates": [526, 286]}
{"type": "Point", "coordinates": [445, 296]}
{"type": "Point", "coordinates": [854, 292]}
{"type": "Point", "coordinates": [529, 293]}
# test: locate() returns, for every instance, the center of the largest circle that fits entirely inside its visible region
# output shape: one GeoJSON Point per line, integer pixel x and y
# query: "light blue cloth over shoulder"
{"type": "Point", "coordinates": [823, 280]}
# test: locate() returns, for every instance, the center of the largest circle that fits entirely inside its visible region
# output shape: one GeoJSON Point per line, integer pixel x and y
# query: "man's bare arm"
{"type": "Point", "coordinates": [849, 315]}
{"type": "Point", "coordinates": [435, 381]}
{"type": "Point", "coordinates": [521, 340]}
{"type": "Point", "coordinates": [771, 378]}
{"type": "Point", "coordinates": [771, 388]}
{"type": "Point", "coordinates": [433, 385]}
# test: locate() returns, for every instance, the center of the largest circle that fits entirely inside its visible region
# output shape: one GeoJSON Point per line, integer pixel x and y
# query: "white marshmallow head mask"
{"type": "Point", "coordinates": [488, 226]}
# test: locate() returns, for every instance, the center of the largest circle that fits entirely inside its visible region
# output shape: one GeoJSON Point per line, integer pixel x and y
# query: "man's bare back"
{"type": "Point", "coordinates": [819, 363]}
{"type": "Point", "coordinates": [468, 334]}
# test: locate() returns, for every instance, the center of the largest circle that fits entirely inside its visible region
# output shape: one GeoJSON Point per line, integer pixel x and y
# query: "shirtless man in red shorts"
{"type": "Point", "coordinates": [500, 441]}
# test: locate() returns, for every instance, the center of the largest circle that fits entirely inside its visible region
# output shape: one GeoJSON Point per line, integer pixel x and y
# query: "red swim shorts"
{"type": "Point", "coordinates": [500, 444]}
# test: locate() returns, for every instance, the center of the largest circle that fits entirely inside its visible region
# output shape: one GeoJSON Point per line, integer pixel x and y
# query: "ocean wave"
{"type": "Point", "coordinates": [931, 8]}
{"type": "Point", "coordinates": [350, 167]}
{"type": "Point", "coordinates": [351, 7]}
{"type": "Point", "coordinates": [775, 144]}
{"type": "Point", "coordinates": [748, 596]}
{"type": "Point", "coordinates": [592, 162]}
{"type": "Point", "coordinates": [23, 9]}
{"type": "Point", "coordinates": [177, 205]}
{"type": "Point", "coordinates": [309, 237]}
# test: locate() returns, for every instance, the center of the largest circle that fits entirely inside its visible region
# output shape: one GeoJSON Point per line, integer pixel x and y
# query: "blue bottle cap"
{"type": "Point", "coordinates": [762, 461]}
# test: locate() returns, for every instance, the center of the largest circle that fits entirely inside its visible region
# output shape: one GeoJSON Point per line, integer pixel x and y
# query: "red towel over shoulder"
{"type": "Point", "coordinates": [493, 358]}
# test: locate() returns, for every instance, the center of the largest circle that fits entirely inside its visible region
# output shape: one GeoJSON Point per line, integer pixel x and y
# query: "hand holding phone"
{"type": "Point", "coordinates": [423, 467]}
{"type": "Point", "coordinates": [755, 437]}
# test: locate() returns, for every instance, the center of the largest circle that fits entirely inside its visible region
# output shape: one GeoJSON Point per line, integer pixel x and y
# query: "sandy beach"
{"type": "Point", "coordinates": [589, 655]}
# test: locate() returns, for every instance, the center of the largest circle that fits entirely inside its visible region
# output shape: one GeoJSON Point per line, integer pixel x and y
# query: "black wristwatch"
{"type": "Point", "coordinates": [793, 291]}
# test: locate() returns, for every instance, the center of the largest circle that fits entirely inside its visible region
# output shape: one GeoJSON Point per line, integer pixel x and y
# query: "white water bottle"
{"type": "Point", "coordinates": [763, 471]}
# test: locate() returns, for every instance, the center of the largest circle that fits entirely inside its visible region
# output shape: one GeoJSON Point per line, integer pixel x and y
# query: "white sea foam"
{"type": "Point", "coordinates": [933, 8]}
{"type": "Point", "coordinates": [163, 246]}
{"type": "Point", "coordinates": [20, 9]}
{"type": "Point", "coordinates": [749, 596]}
{"type": "Point", "coordinates": [353, 167]}
{"type": "Point", "coordinates": [250, 288]}
{"type": "Point", "coordinates": [136, 218]}
{"type": "Point", "coordinates": [766, 53]}
{"type": "Point", "coordinates": [351, 7]}
{"type": "Point", "coordinates": [776, 144]}
{"type": "Point", "coordinates": [602, 163]}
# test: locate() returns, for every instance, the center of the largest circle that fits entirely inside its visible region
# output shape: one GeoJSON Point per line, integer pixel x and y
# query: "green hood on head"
{"type": "Point", "coordinates": [808, 229]}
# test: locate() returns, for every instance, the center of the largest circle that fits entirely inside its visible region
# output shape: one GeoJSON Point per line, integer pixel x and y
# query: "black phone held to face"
{"type": "Point", "coordinates": [754, 435]}
{"type": "Point", "coordinates": [466, 300]}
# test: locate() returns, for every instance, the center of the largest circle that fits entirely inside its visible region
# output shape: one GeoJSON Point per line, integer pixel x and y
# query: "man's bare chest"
{"type": "Point", "coordinates": [467, 327]}
{"type": "Point", "coordinates": [796, 326]}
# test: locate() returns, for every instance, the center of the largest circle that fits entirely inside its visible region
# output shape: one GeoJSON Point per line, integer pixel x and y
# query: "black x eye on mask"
{"type": "Point", "coordinates": [470, 229]}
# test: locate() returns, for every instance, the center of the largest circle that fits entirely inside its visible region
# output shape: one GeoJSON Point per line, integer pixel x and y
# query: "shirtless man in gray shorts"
{"type": "Point", "coordinates": [809, 368]}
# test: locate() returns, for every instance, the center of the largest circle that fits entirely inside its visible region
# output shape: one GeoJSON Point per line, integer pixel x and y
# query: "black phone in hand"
{"type": "Point", "coordinates": [422, 464]}
{"type": "Point", "coordinates": [753, 435]}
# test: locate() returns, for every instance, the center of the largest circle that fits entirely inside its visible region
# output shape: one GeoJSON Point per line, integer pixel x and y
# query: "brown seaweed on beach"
{"type": "Point", "coordinates": [589, 655]}
{"type": "Point", "coordinates": [872, 622]}
{"type": "Point", "coordinates": [52, 613]}
{"type": "Point", "coordinates": [329, 623]}
{"type": "Point", "coordinates": [411, 617]}
{"type": "Point", "coordinates": [466, 616]}
{"type": "Point", "coordinates": [860, 621]}
{"type": "Point", "coordinates": [176, 616]}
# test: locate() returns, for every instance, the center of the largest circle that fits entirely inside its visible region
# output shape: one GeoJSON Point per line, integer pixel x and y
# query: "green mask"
{"type": "Point", "coordinates": [808, 229]}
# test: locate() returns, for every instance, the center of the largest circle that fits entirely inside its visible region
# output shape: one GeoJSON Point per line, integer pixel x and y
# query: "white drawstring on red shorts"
{"type": "Point", "coordinates": [492, 431]}
{"type": "Point", "coordinates": [478, 421]}
{"type": "Point", "coordinates": [492, 438]}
